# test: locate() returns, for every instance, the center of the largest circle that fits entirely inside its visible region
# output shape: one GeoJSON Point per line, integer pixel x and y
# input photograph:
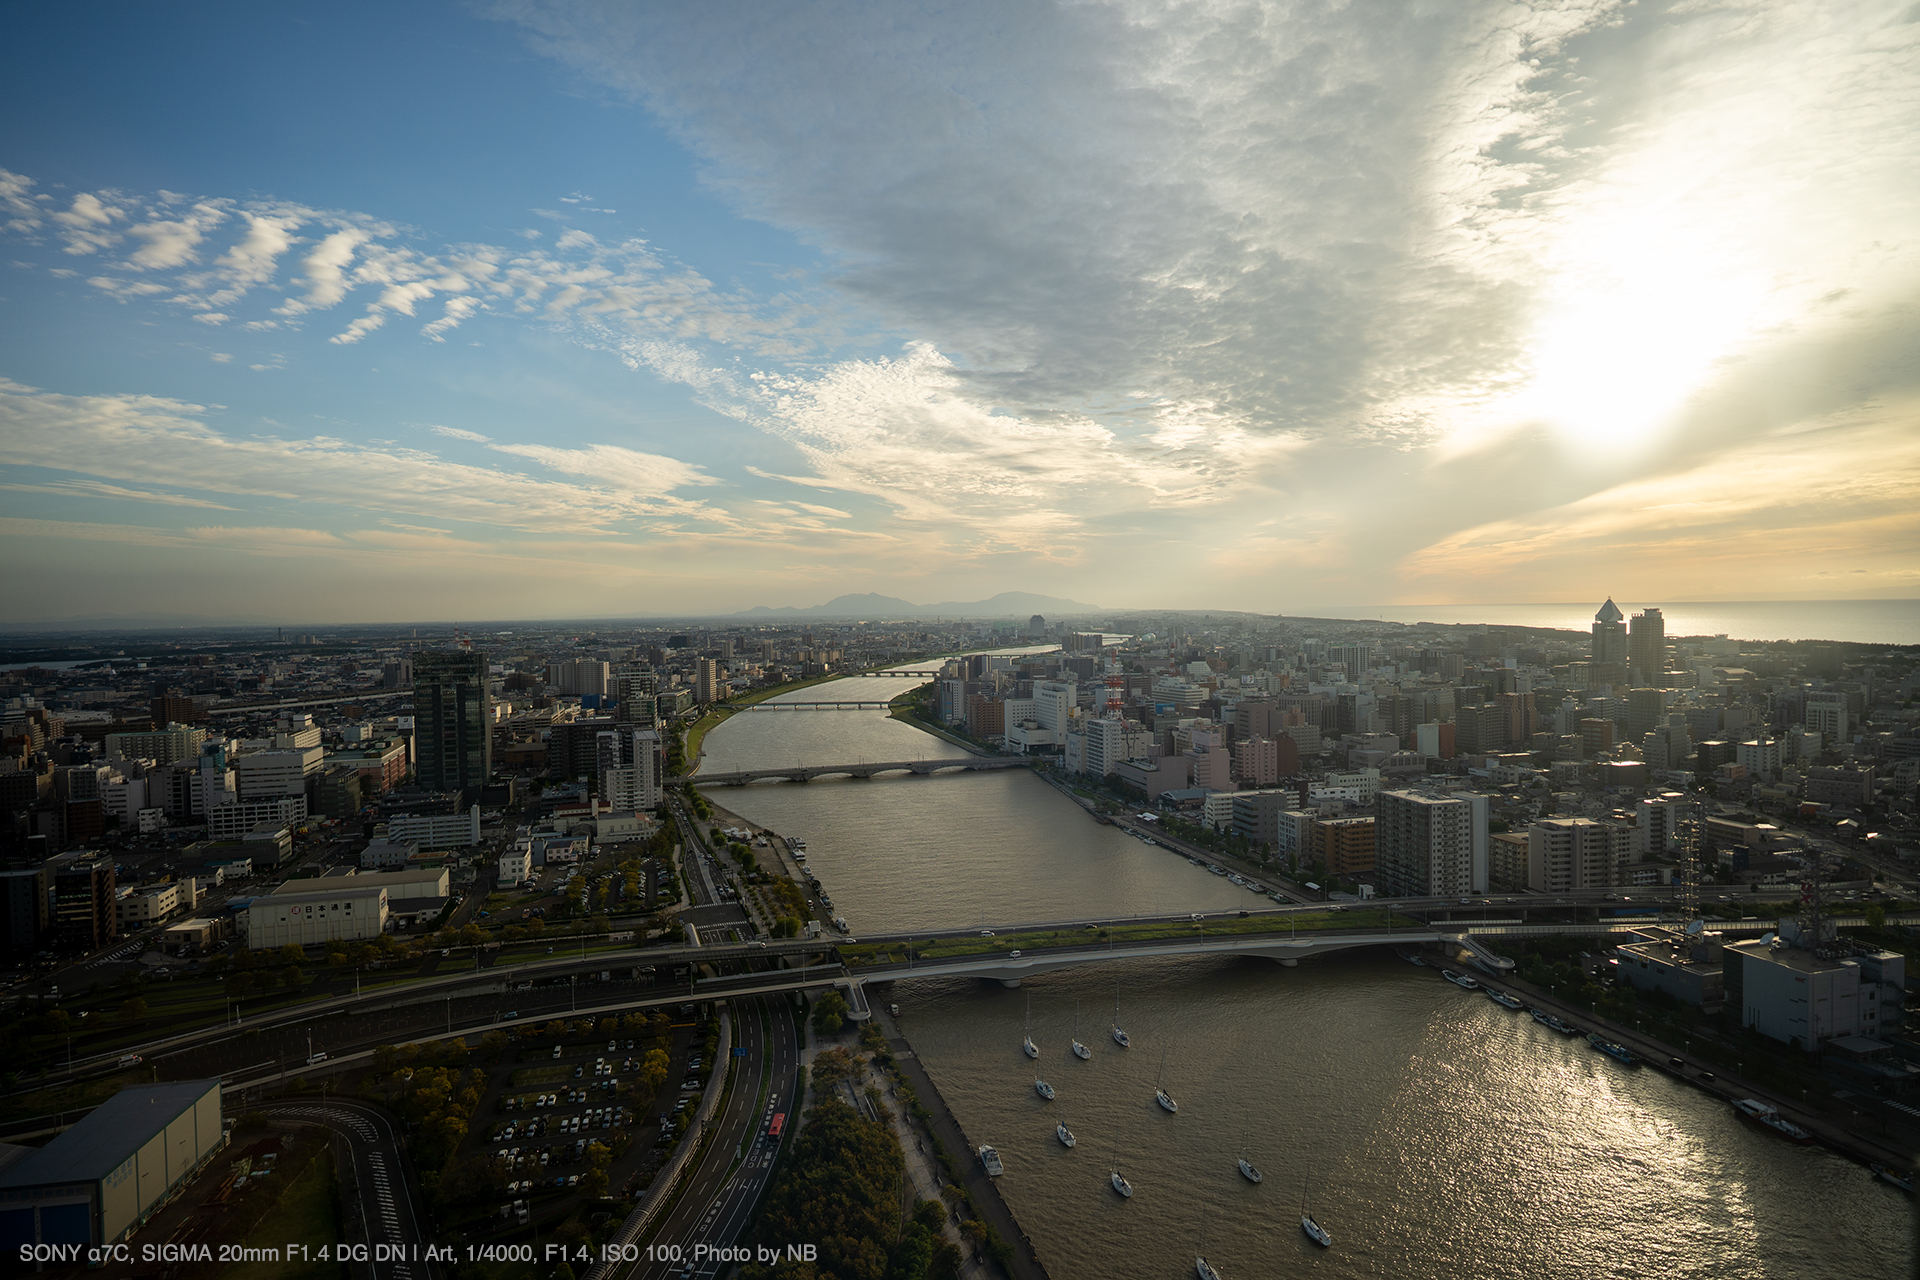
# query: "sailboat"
{"type": "Point", "coordinates": [1160, 1094]}
{"type": "Point", "coordinates": [1202, 1269]}
{"type": "Point", "coordinates": [1315, 1232]}
{"type": "Point", "coordinates": [1119, 1036]}
{"type": "Point", "coordinates": [1042, 1088]}
{"type": "Point", "coordinates": [1063, 1133]}
{"type": "Point", "coordinates": [1247, 1168]}
{"type": "Point", "coordinates": [1121, 1185]}
{"type": "Point", "coordinates": [1027, 1046]}
{"type": "Point", "coordinates": [1080, 1051]}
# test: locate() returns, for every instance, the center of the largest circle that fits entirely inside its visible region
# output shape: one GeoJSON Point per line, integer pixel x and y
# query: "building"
{"type": "Point", "coordinates": [1608, 664]}
{"type": "Point", "coordinates": [401, 886]}
{"type": "Point", "coordinates": [632, 768]}
{"type": "Point", "coordinates": [238, 818]}
{"type": "Point", "coordinates": [1759, 757]}
{"type": "Point", "coordinates": [382, 855]}
{"type": "Point", "coordinates": [24, 907]}
{"type": "Point", "coordinates": [1686, 968]}
{"type": "Point", "coordinates": [99, 1181]}
{"type": "Point", "coordinates": [1826, 715]}
{"type": "Point", "coordinates": [1659, 820]}
{"type": "Point", "coordinates": [437, 830]}
{"type": "Point", "coordinates": [83, 904]}
{"type": "Point", "coordinates": [1646, 711]}
{"type": "Point", "coordinates": [1108, 742]}
{"type": "Point", "coordinates": [1431, 845]}
{"type": "Point", "coordinates": [707, 686]}
{"type": "Point", "coordinates": [516, 866]}
{"type": "Point", "coordinates": [1257, 815]}
{"type": "Point", "coordinates": [1434, 741]}
{"type": "Point", "coordinates": [341, 914]}
{"type": "Point", "coordinates": [1848, 785]}
{"type": "Point", "coordinates": [1345, 845]}
{"type": "Point", "coordinates": [162, 746]}
{"type": "Point", "coordinates": [138, 908]}
{"type": "Point", "coordinates": [452, 724]}
{"type": "Point", "coordinates": [573, 748]}
{"type": "Point", "coordinates": [336, 792]}
{"type": "Point", "coordinates": [636, 699]}
{"type": "Point", "coordinates": [1646, 646]}
{"type": "Point", "coordinates": [1565, 854]}
{"type": "Point", "coordinates": [1797, 995]}
{"type": "Point", "coordinates": [1507, 862]}
{"type": "Point", "coordinates": [1596, 737]}
{"type": "Point", "coordinates": [267, 775]}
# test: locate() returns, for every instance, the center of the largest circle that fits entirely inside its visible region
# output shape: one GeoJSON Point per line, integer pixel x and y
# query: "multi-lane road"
{"type": "Point", "coordinates": [731, 1173]}
{"type": "Point", "coordinates": [378, 1188]}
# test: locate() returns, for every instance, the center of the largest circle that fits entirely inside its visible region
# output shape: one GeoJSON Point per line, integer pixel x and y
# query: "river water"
{"type": "Point", "coordinates": [1434, 1133]}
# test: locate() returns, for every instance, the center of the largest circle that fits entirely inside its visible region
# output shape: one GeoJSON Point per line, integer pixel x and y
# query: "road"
{"type": "Point", "coordinates": [720, 1195]}
{"type": "Point", "coordinates": [379, 1186]}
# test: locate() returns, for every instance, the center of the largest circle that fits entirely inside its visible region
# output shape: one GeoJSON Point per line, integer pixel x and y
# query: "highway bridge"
{"type": "Point", "coordinates": [832, 704]}
{"type": "Point", "coordinates": [865, 769]}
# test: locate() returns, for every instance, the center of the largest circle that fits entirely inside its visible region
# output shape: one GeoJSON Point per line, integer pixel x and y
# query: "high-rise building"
{"type": "Point", "coordinates": [632, 768]}
{"type": "Point", "coordinates": [1108, 742]}
{"type": "Point", "coordinates": [1826, 714]}
{"type": "Point", "coordinates": [1646, 646]}
{"type": "Point", "coordinates": [706, 681]}
{"type": "Point", "coordinates": [637, 697]}
{"type": "Point", "coordinates": [1346, 845]}
{"type": "Point", "coordinates": [1431, 845]}
{"type": "Point", "coordinates": [1609, 665]}
{"type": "Point", "coordinates": [1566, 854]}
{"type": "Point", "coordinates": [1646, 711]}
{"type": "Point", "coordinates": [23, 907]}
{"type": "Point", "coordinates": [1357, 659]}
{"type": "Point", "coordinates": [453, 741]}
{"type": "Point", "coordinates": [83, 914]}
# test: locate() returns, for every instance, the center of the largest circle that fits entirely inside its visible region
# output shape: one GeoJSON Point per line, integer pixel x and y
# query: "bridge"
{"type": "Point", "coordinates": [836, 704]}
{"type": "Point", "coordinates": [869, 769]}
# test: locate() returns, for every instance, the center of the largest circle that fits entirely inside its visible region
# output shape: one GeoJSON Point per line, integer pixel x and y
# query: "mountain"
{"type": "Point", "coordinates": [1008, 604]}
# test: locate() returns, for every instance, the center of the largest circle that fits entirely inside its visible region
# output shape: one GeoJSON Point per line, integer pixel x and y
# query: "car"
{"type": "Point", "coordinates": [318, 1057]}
{"type": "Point", "coordinates": [1013, 955]}
{"type": "Point", "coordinates": [986, 933]}
{"type": "Point", "coordinates": [1675, 1062]}
{"type": "Point", "coordinates": [1196, 916]}
{"type": "Point", "coordinates": [1092, 927]}
{"type": "Point", "coordinates": [1706, 1075]}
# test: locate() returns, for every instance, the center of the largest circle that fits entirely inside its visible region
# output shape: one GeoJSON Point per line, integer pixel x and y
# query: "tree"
{"type": "Point", "coordinates": [829, 1013]}
{"type": "Point", "coordinates": [239, 986]}
{"type": "Point", "coordinates": [1876, 915]}
{"type": "Point", "coordinates": [593, 1183]}
{"type": "Point", "coordinates": [295, 978]}
{"type": "Point", "coordinates": [831, 1067]}
{"type": "Point", "coordinates": [133, 1010]}
{"type": "Point", "coordinates": [602, 925]}
{"type": "Point", "coordinates": [291, 954]}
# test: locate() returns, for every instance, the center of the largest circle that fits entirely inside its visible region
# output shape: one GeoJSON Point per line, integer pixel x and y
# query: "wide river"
{"type": "Point", "coordinates": [1432, 1132]}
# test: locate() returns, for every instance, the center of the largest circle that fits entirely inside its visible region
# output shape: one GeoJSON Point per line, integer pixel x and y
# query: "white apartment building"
{"type": "Point", "coordinates": [237, 819]}
{"type": "Point", "coordinates": [1431, 845]}
{"type": "Point", "coordinates": [436, 830]}
{"type": "Point", "coordinates": [516, 866]}
{"type": "Point", "coordinates": [267, 774]}
{"type": "Point", "coordinates": [1567, 854]}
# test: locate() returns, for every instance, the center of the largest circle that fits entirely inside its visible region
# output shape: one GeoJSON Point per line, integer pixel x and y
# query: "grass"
{"type": "Point", "coordinates": [308, 1212]}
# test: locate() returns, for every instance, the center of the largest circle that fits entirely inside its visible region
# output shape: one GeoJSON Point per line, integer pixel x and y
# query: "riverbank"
{"type": "Point", "coordinates": [1849, 1138]}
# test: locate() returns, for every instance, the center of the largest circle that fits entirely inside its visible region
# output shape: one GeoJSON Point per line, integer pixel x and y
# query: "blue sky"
{"type": "Point", "coordinates": [551, 309]}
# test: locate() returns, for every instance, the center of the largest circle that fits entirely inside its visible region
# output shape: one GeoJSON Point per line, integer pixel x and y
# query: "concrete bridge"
{"type": "Point", "coordinates": [807, 773]}
{"type": "Point", "coordinates": [836, 704]}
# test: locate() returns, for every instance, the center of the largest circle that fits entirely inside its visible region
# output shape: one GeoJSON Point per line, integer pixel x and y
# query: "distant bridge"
{"type": "Point", "coordinates": [808, 772]}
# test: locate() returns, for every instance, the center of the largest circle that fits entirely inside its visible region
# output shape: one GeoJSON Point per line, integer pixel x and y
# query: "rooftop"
{"type": "Point", "coordinates": [113, 1131]}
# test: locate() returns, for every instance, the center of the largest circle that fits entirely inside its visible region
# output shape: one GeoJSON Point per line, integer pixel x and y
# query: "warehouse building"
{"type": "Point", "coordinates": [97, 1182]}
{"type": "Point", "coordinates": [326, 915]}
{"type": "Point", "coordinates": [425, 882]}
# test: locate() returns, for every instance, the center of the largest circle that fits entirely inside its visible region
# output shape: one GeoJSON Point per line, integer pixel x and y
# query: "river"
{"type": "Point", "coordinates": [1435, 1133]}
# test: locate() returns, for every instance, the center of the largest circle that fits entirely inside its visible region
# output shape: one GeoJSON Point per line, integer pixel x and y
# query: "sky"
{"type": "Point", "coordinates": [556, 308]}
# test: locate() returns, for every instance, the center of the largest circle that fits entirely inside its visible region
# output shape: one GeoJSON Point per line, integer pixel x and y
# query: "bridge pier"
{"type": "Point", "coordinates": [1286, 962]}
{"type": "Point", "coordinates": [1009, 983]}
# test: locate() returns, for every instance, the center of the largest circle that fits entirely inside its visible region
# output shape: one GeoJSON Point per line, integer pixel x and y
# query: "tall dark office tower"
{"type": "Point", "coordinates": [452, 741]}
{"type": "Point", "coordinates": [83, 906]}
{"type": "Point", "coordinates": [1647, 647]}
{"type": "Point", "coordinates": [1609, 647]}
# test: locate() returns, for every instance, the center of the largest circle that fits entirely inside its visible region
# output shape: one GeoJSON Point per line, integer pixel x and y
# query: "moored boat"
{"type": "Point", "coordinates": [1756, 1112]}
{"type": "Point", "coordinates": [1619, 1052]}
{"type": "Point", "coordinates": [1460, 980]}
{"type": "Point", "coordinates": [1121, 1185]}
{"type": "Point", "coordinates": [1042, 1088]}
{"type": "Point", "coordinates": [1503, 999]}
{"type": "Point", "coordinates": [1315, 1232]}
{"type": "Point", "coordinates": [1029, 1048]}
{"type": "Point", "coordinates": [991, 1160]}
{"type": "Point", "coordinates": [1063, 1133]}
{"type": "Point", "coordinates": [1411, 958]}
{"type": "Point", "coordinates": [1204, 1270]}
{"type": "Point", "coordinates": [1248, 1171]}
{"type": "Point", "coordinates": [1894, 1178]}
{"type": "Point", "coordinates": [1165, 1100]}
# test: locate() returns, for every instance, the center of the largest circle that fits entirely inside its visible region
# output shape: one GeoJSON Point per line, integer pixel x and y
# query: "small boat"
{"type": "Point", "coordinates": [1503, 999]}
{"type": "Point", "coordinates": [1618, 1052]}
{"type": "Point", "coordinates": [894, 1010]}
{"type": "Point", "coordinates": [1460, 980]}
{"type": "Point", "coordinates": [1754, 1111]}
{"type": "Point", "coordinates": [1552, 1023]}
{"type": "Point", "coordinates": [1166, 1103]}
{"type": "Point", "coordinates": [1249, 1172]}
{"type": "Point", "coordinates": [1121, 1185]}
{"type": "Point", "coordinates": [1119, 1036]}
{"type": "Point", "coordinates": [1063, 1133]}
{"type": "Point", "coordinates": [991, 1159]}
{"type": "Point", "coordinates": [1204, 1270]}
{"type": "Point", "coordinates": [1411, 959]}
{"type": "Point", "coordinates": [1315, 1232]}
{"type": "Point", "coordinates": [1042, 1088]}
{"type": "Point", "coordinates": [1893, 1178]}
{"type": "Point", "coordinates": [1080, 1051]}
{"type": "Point", "coordinates": [1027, 1045]}
{"type": "Point", "coordinates": [1234, 879]}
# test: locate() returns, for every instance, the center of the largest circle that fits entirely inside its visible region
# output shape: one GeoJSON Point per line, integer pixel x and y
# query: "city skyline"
{"type": "Point", "coordinates": [563, 310]}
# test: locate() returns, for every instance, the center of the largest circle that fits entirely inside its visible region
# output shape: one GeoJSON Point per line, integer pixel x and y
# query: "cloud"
{"type": "Point", "coordinates": [459, 433]}
{"type": "Point", "coordinates": [170, 243]}
{"type": "Point", "coordinates": [626, 470]}
{"type": "Point", "coordinates": [151, 440]}
{"type": "Point", "coordinates": [85, 224]}
{"type": "Point", "coordinates": [100, 489]}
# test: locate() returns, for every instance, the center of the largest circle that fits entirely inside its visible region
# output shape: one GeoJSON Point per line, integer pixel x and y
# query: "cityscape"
{"type": "Point", "coordinates": [1018, 642]}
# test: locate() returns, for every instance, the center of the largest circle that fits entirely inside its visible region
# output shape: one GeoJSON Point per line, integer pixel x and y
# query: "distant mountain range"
{"type": "Point", "coordinates": [1008, 604]}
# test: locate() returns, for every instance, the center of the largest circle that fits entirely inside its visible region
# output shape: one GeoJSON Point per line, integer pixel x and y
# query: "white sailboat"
{"type": "Point", "coordinates": [1247, 1168]}
{"type": "Point", "coordinates": [1027, 1046]}
{"type": "Point", "coordinates": [1160, 1094]}
{"type": "Point", "coordinates": [1063, 1133]}
{"type": "Point", "coordinates": [1202, 1269]}
{"type": "Point", "coordinates": [1080, 1051]}
{"type": "Point", "coordinates": [1121, 1185]}
{"type": "Point", "coordinates": [1315, 1232]}
{"type": "Point", "coordinates": [1042, 1088]}
{"type": "Point", "coordinates": [1119, 1036]}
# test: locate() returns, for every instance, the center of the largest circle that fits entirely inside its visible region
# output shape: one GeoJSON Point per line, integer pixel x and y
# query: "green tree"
{"type": "Point", "coordinates": [291, 954]}
{"type": "Point", "coordinates": [829, 1013]}
{"type": "Point", "coordinates": [1876, 915]}
{"type": "Point", "coordinates": [133, 1010]}
{"type": "Point", "coordinates": [239, 986]}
